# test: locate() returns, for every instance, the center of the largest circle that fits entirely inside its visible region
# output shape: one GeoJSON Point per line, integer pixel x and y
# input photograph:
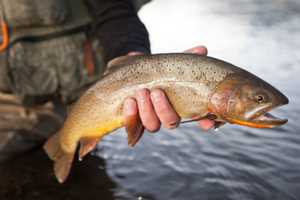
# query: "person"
{"type": "Point", "coordinates": [56, 50]}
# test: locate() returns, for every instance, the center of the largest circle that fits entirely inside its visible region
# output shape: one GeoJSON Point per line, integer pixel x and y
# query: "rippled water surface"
{"type": "Point", "coordinates": [232, 163]}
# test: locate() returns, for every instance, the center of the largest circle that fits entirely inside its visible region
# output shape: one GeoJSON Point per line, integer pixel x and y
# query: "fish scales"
{"type": "Point", "coordinates": [195, 86]}
{"type": "Point", "coordinates": [198, 75]}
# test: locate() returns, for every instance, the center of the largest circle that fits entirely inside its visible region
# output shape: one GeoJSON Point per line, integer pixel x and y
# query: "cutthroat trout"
{"type": "Point", "coordinates": [196, 86]}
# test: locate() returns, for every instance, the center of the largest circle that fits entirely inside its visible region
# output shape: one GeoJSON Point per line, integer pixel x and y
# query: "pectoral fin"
{"type": "Point", "coordinates": [208, 116]}
{"type": "Point", "coordinates": [134, 129]}
{"type": "Point", "coordinates": [86, 146]}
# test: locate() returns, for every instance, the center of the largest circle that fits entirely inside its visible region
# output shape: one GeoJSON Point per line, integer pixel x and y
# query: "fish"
{"type": "Point", "coordinates": [197, 86]}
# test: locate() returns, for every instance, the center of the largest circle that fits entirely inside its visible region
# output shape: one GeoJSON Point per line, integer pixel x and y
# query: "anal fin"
{"type": "Point", "coordinates": [86, 146]}
{"type": "Point", "coordinates": [62, 160]}
{"type": "Point", "coordinates": [134, 129]}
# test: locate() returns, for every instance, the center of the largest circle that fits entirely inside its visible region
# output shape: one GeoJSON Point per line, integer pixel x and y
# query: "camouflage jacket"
{"type": "Point", "coordinates": [51, 44]}
{"type": "Point", "coordinates": [46, 57]}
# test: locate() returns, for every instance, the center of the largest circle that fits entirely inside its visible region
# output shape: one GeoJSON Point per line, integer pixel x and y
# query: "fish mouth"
{"type": "Point", "coordinates": [260, 119]}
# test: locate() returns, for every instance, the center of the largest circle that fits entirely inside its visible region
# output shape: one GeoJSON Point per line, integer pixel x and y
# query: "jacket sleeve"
{"type": "Point", "coordinates": [118, 27]}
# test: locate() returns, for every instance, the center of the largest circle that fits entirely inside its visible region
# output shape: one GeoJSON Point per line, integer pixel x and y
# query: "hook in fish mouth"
{"type": "Point", "coordinates": [260, 119]}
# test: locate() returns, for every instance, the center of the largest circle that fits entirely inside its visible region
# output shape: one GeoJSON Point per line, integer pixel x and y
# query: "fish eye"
{"type": "Point", "coordinates": [260, 98]}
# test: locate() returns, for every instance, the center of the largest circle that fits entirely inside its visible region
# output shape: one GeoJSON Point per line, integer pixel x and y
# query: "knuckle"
{"type": "Point", "coordinates": [157, 95]}
{"type": "Point", "coordinates": [142, 92]}
{"type": "Point", "coordinates": [130, 107]}
{"type": "Point", "coordinates": [129, 102]}
{"type": "Point", "coordinates": [143, 96]}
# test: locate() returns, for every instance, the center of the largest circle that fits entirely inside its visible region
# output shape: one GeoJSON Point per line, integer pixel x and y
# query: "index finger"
{"type": "Point", "coordinates": [200, 50]}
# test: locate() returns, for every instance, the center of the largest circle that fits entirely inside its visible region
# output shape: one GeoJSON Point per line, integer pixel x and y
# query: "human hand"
{"type": "Point", "coordinates": [154, 108]}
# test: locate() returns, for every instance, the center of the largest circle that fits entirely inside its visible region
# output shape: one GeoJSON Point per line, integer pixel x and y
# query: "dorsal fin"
{"type": "Point", "coordinates": [119, 62]}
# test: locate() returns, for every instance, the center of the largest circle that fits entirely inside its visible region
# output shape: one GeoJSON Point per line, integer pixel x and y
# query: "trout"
{"type": "Point", "coordinates": [196, 86]}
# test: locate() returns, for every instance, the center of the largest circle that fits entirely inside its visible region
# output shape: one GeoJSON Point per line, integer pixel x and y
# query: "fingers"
{"type": "Point", "coordinates": [130, 107]}
{"type": "Point", "coordinates": [154, 109]}
{"type": "Point", "coordinates": [164, 110]}
{"type": "Point", "coordinates": [206, 124]}
{"type": "Point", "coordinates": [135, 53]}
{"type": "Point", "coordinates": [146, 110]}
{"type": "Point", "coordinates": [200, 50]}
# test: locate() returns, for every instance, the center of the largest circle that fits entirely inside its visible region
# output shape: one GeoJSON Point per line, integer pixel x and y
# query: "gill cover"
{"type": "Point", "coordinates": [244, 99]}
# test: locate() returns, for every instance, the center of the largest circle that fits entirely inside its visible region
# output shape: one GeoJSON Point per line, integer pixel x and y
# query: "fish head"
{"type": "Point", "coordinates": [244, 99]}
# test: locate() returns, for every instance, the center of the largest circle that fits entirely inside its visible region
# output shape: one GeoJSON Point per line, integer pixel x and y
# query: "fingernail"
{"type": "Point", "coordinates": [173, 125]}
{"type": "Point", "coordinates": [130, 106]}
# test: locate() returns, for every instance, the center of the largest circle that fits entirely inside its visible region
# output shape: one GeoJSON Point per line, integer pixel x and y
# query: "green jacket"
{"type": "Point", "coordinates": [46, 56]}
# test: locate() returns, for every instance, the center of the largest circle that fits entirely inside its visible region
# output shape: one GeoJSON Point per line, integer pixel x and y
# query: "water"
{"type": "Point", "coordinates": [233, 163]}
{"type": "Point", "coordinates": [236, 162]}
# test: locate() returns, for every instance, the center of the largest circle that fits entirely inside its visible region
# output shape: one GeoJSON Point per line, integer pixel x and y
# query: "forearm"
{"type": "Point", "coordinates": [118, 27]}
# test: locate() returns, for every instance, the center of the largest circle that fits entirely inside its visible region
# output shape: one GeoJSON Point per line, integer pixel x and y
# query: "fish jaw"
{"type": "Point", "coordinates": [264, 121]}
{"type": "Point", "coordinates": [261, 119]}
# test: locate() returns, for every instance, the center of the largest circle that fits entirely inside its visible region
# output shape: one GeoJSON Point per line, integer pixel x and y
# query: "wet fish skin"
{"type": "Point", "coordinates": [195, 85]}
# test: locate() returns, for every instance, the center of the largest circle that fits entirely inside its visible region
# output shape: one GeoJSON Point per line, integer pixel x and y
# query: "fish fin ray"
{"type": "Point", "coordinates": [134, 129]}
{"type": "Point", "coordinates": [119, 62]}
{"type": "Point", "coordinates": [62, 160]}
{"type": "Point", "coordinates": [52, 146]}
{"type": "Point", "coordinates": [62, 165]}
{"type": "Point", "coordinates": [87, 145]}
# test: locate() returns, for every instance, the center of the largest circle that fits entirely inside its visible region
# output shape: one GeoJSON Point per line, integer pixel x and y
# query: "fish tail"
{"type": "Point", "coordinates": [62, 160]}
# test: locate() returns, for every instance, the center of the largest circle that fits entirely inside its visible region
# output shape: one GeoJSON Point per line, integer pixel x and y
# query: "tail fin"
{"type": "Point", "coordinates": [62, 160]}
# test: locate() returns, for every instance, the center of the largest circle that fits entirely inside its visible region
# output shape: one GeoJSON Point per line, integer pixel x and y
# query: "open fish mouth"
{"type": "Point", "coordinates": [261, 119]}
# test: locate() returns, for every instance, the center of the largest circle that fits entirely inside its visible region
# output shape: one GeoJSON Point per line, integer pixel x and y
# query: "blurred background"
{"type": "Point", "coordinates": [260, 36]}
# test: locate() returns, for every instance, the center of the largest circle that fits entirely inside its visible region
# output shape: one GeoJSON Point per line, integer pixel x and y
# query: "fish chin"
{"type": "Point", "coordinates": [260, 119]}
{"type": "Point", "coordinates": [270, 120]}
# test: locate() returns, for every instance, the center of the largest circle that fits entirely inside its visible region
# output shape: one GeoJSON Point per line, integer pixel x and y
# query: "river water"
{"type": "Point", "coordinates": [236, 163]}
